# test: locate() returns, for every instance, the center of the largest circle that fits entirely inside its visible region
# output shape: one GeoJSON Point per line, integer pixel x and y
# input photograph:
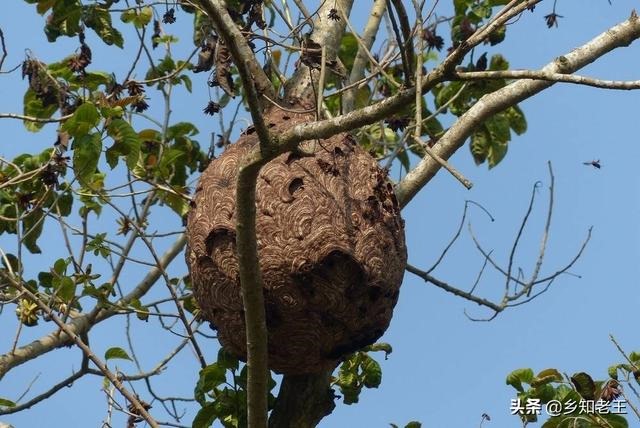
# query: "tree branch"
{"type": "Point", "coordinates": [370, 114]}
{"type": "Point", "coordinates": [359, 63]}
{"type": "Point", "coordinates": [82, 324]}
{"type": "Point", "coordinates": [453, 290]}
{"type": "Point", "coordinates": [254, 80]}
{"type": "Point", "coordinates": [328, 33]}
{"type": "Point", "coordinates": [34, 119]}
{"type": "Point", "coordinates": [140, 409]}
{"type": "Point", "coordinates": [620, 35]}
{"type": "Point", "coordinates": [303, 401]}
{"type": "Point", "coordinates": [548, 76]}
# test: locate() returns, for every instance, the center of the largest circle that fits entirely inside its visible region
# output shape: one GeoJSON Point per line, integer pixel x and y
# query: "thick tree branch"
{"type": "Point", "coordinates": [620, 35]}
{"type": "Point", "coordinates": [328, 33]}
{"type": "Point", "coordinates": [303, 401]}
{"type": "Point", "coordinates": [252, 295]}
{"type": "Point", "coordinates": [237, 44]}
{"type": "Point", "coordinates": [360, 62]}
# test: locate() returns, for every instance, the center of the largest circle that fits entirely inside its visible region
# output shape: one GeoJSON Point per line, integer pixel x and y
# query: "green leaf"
{"type": "Point", "coordinates": [64, 19]}
{"type": "Point", "coordinates": [372, 373]}
{"type": "Point", "coordinates": [615, 421]}
{"type": "Point", "coordinates": [498, 127]}
{"type": "Point", "coordinates": [205, 416]}
{"type": "Point", "coordinates": [61, 69]}
{"type": "Point", "coordinates": [164, 68]}
{"type": "Point", "coordinates": [403, 157]}
{"type": "Point", "coordinates": [66, 290]}
{"type": "Point", "coordinates": [479, 146]}
{"type": "Point", "coordinates": [60, 266]}
{"type": "Point", "coordinates": [348, 50]}
{"type": "Point", "coordinates": [545, 393]}
{"type": "Point", "coordinates": [142, 312]}
{"type": "Point", "coordinates": [32, 226]}
{"type": "Point", "coordinates": [498, 35]}
{"type": "Point", "coordinates": [127, 143]}
{"type": "Point", "coordinates": [99, 20]}
{"type": "Point", "coordinates": [516, 118]}
{"type": "Point", "coordinates": [6, 403]}
{"type": "Point", "coordinates": [187, 82]}
{"type": "Point", "coordinates": [227, 360]}
{"type": "Point", "coordinates": [584, 384]}
{"type": "Point", "coordinates": [413, 424]}
{"type": "Point", "coordinates": [84, 118]}
{"type": "Point", "coordinates": [33, 106]}
{"type": "Point", "coordinates": [92, 79]}
{"type": "Point", "coordinates": [181, 129]}
{"type": "Point", "coordinates": [210, 377]}
{"type": "Point", "coordinates": [139, 17]}
{"type": "Point", "coordinates": [546, 376]}
{"type": "Point", "coordinates": [497, 151]}
{"type": "Point", "coordinates": [86, 154]}
{"type": "Point", "coordinates": [517, 377]}
{"type": "Point", "coordinates": [116, 353]}
{"type": "Point", "coordinates": [65, 199]}
{"type": "Point", "coordinates": [498, 62]}
{"type": "Point", "coordinates": [45, 279]}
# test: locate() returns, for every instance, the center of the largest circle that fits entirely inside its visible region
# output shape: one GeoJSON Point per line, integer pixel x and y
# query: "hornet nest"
{"type": "Point", "coordinates": [331, 247]}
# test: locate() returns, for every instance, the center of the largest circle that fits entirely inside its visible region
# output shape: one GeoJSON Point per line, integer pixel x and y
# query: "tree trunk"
{"type": "Point", "coordinates": [303, 401]}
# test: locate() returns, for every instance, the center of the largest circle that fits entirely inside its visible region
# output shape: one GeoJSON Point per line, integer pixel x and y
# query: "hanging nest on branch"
{"type": "Point", "coordinates": [331, 247]}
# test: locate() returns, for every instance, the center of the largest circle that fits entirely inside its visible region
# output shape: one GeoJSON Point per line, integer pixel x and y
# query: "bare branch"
{"type": "Point", "coordinates": [549, 77]}
{"type": "Point", "coordinates": [142, 411]}
{"type": "Point", "coordinates": [34, 119]}
{"type": "Point", "coordinates": [84, 323]}
{"type": "Point", "coordinates": [4, 49]}
{"type": "Point", "coordinates": [446, 165]}
{"type": "Point", "coordinates": [359, 63]}
{"type": "Point", "coordinates": [511, 297]}
{"type": "Point", "coordinates": [453, 290]}
{"type": "Point", "coordinates": [65, 383]}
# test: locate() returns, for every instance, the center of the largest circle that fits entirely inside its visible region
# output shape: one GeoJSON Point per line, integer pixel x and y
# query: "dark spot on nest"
{"type": "Point", "coordinates": [295, 185]}
{"type": "Point", "coordinates": [292, 157]}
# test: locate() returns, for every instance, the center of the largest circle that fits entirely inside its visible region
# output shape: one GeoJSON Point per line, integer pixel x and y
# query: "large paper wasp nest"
{"type": "Point", "coordinates": [331, 246]}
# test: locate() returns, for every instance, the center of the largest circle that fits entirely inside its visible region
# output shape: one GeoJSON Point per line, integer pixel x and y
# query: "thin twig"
{"type": "Point", "coordinates": [548, 76]}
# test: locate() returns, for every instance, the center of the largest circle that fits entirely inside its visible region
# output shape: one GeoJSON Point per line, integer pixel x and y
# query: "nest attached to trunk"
{"type": "Point", "coordinates": [331, 247]}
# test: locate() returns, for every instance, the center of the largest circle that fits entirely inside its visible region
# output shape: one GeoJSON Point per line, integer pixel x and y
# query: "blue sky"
{"type": "Point", "coordinates": [445, 371]}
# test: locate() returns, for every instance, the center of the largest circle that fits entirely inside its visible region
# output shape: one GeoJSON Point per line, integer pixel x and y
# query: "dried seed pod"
{"type": "Point", "coordinates": [331, 246]}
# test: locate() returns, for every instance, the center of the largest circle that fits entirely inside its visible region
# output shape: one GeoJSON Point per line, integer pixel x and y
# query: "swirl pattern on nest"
{"type": "Point", "coordinates": [331, 246]}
